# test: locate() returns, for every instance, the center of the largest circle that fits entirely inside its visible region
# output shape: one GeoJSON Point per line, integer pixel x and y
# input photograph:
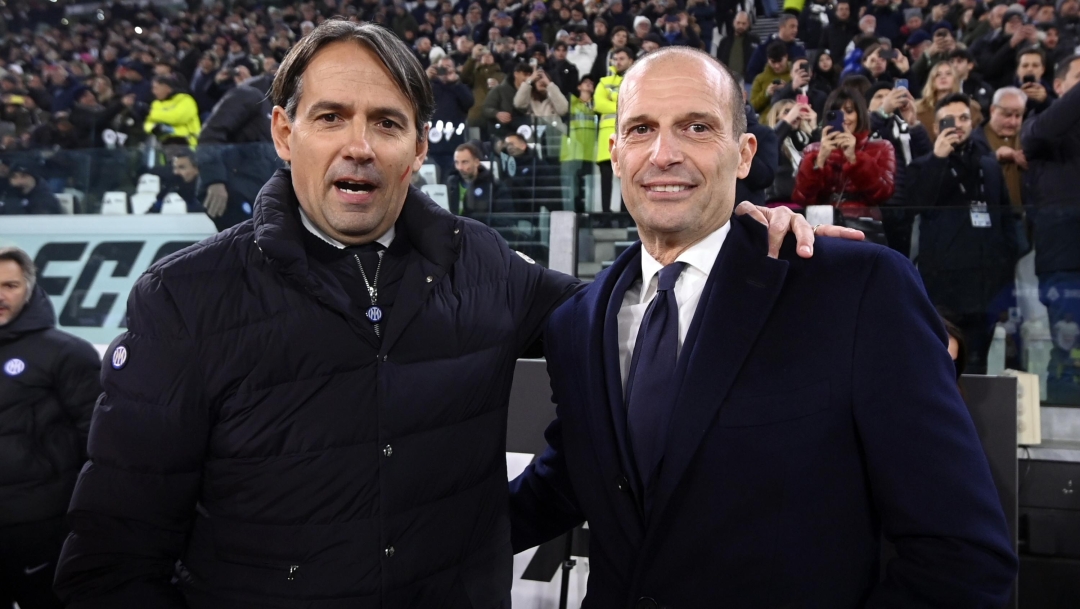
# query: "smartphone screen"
{"type": "Point", "coordinates": [802, 99]}
{"type": "Point", "coordinates": [901, 83]}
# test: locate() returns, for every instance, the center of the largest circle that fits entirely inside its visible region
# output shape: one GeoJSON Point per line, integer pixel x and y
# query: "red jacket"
{"type": "Point", "coordinates": [868, 182]}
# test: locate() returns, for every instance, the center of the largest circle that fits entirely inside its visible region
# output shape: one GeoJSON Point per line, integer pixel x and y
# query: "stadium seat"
{"type": "Point", "coordinates": [438, 194]}
{"type": "Point", "coordinates": [114, 203]}
{"type": "Point", "coordinates": [173, 204]}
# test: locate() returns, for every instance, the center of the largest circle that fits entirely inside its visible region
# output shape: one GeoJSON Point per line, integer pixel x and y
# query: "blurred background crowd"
{"type": "Point", "coordinates": [948, 130]}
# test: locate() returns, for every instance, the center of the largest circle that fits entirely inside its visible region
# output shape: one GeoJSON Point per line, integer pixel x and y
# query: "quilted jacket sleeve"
{"type": "Point", "coordinates": [810, 182]}
{"type": "Point", "coordinates": [873, 174]}
{"type": "Point", "coordinates": [135, 499]}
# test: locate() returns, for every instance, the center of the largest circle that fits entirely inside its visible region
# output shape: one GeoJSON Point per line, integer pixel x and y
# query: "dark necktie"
{"type": "Point", "coordinates": [649, 390]}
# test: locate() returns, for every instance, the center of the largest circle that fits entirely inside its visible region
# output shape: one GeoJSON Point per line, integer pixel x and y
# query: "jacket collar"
{"type": "Point", "coordinates": [434, 233]}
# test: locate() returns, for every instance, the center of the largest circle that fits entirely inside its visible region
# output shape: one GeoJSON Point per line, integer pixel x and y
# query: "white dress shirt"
{"type": "Point", "coordinates": [699, 259]}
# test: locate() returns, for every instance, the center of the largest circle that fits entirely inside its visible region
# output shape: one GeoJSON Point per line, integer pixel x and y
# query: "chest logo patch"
{"type": "Point", "coordinates": [119, 357]}
{"type": "Point", "coordinates": [14, 367]}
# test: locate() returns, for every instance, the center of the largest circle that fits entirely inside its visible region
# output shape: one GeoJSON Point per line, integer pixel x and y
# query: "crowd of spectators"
{"type": "Point", "coordinates": [912, 118]}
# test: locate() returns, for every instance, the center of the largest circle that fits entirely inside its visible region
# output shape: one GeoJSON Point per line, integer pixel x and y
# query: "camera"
{"type": "Point", "coordinates": [1030, 78]}
{"type": "Point", "coordinates": [440, 71]}
{"type": "Point", "coordinates": [946, 123]}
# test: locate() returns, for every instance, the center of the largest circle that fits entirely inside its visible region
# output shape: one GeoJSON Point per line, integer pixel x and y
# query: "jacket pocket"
{"type": "Point", "coordinates": [741, 410]}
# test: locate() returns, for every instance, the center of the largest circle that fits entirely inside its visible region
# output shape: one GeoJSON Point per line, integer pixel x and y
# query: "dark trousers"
{"type": "Point", "coordinates": [28, 564]}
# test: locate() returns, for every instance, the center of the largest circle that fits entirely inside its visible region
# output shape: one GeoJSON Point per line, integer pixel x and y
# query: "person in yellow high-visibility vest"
{"type": "Point", "coordinates": [605, 101]}
{"type": "Point", "coordinates": [172, 112]}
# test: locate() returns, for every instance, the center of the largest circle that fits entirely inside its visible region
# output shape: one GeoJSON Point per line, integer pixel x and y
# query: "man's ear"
{"type": "Point", "coordinates": [747, 149]}
{"type": "Point", "coordinates": [421, 148]}
{"type": "Point", "coordinates": [281, 128]}
{"type": "Point", "coordinates": [613, 148]}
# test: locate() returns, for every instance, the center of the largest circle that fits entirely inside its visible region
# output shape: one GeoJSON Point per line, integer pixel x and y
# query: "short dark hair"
{"type": "Point", "coordinates": [962, 54]}
{"type": "Point", "coordinates": [1063, 66]}
{"type": "Point", "coordinates": [776, 50]}
{"type": "Point", "coordinates": [856, 82]}
{"type": "Point", "coordinates": [784, 18]}
{"type": "Point", "coordinates": [622, 50]}
{"type": "Point", "coordinates": [1032, 51]}
{"type": "Point", "coordinates": [523, 68]}
{"type": "Point", "coordinates": [472, 149]}
{"type": "Point", "coordinates": [736, 99]}
{"type": "Point", "coordinates": [953, 98]}
{"type": "Point", "coordinates": [22, 259]}
{"type": "Point", "coordinates": [619, 28]}
{"type": "Point", "coordinates": [840, 97]}
{"type": "Point", "coordinates": [402, 63]}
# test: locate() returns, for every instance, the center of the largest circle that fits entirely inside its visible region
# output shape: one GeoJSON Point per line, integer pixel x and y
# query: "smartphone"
{"type": "Point", "coordinates": [777, 82]}
{"type": "Point", "coordinates": [835, 119]}
{"type": "Point", "coordinates": [1030, 78]}
{"type": "Point", "coordinates": [901, 83]}
{"type": "Point", "coordinates": [889, 55]}
{"type": "Point", "coordinates": [946, 123]}
{"type": "Point", "coordinates": [802, 99]}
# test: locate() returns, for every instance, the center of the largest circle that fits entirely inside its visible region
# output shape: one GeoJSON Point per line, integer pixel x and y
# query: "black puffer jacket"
{"type": "Point", "coordinates": [236, 149]}
{"type": "Point", "coordinates": [48, 388]}
{"type": "Point", "coordinates": [254, 434]}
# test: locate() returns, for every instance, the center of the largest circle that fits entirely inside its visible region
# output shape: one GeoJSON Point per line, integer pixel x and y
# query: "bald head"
{"type": "Point", "coordinates": [702, 66]}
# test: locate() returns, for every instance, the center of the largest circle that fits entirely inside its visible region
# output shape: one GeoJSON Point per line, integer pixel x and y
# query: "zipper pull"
{"type": "Point", "coordinates": [292, 572]}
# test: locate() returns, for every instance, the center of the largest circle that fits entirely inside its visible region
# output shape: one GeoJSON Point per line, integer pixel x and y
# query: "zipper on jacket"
{"type": "Point", "coordinates": [292, 572]}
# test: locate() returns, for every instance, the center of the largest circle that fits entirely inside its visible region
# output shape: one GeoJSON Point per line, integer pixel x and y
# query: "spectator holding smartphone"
{"type": "Point", "coordinates": [799, 88]}
{"type": "Point", "coordinates": [893, 119]}
{"type": "Point", "coordinates": [941, 84]}
{"type": "Point", "coordinates": [1030, 77]}
{"type": "Point", "coordinates": [794, 125]}
{"type": "Point", "coordinates": [968, 235]}
{"type": "Point", "coordinates": [771, 80]}
{"type": "Point", "coordinates": [847, 169]}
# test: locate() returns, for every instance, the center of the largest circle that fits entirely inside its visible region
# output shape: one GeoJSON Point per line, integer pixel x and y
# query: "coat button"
{"type": "Point", "coordinates": [389, 551]}
{"type": "Point", "coordinates": [646, 603]}
{"type": "Point", "coordinates": [622, 484]}
{"type": "Point", "coordinates": [430, 279]}
{"type": "Point", "coordinates": [388, 451]}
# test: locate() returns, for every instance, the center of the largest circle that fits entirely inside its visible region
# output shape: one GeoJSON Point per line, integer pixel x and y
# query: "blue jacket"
{"type": "Point", "coordinates": [258, 432]}
{"type": "Point", "coordinates": [818, 409]}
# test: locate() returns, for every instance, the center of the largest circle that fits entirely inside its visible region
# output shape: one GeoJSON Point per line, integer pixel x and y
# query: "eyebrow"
{"type": "Point", "coordinates": [692, 116]}
{"type": "Point", "coordinates": [339, 108]}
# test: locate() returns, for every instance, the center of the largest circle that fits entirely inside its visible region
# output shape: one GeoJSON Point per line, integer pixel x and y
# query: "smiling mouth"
{"type": "Point", "coordinates": [668, 188]}
{"type": "Point", "coordinates": [351, 187]}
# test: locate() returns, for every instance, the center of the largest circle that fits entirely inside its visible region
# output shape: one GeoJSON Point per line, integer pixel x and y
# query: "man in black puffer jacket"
{"type": "Point", "coordinates": [236, 153]}
{"type": "Point", "coordinates": [263, 425]}
{"type": "Point", "coordinates": [47, 392]}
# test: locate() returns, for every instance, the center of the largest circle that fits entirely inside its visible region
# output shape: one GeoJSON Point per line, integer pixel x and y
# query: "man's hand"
{"type": "Point", "coordinates": [216, 199]}
{"type": "Point", "coordinates": [781, 221]}
{"type": "Point", "coordinates": [1020, 159]}
{"type": "Point", "coordinates": [907, 108]}
{"type": "Point", "coordinates": [946, 142]}
{"type": "Point", "coordinates": [1034, 91]}
{"type": "Point", "coordinates": [771, 89]}
{"type": "Point", "coordinates": [799, 79]}
{"type": "Point", "coordinates": [901, 63]}
{"type": "Point", "coordinates": [1005, 154]}
{"type": "Point", "coordinates": [504, 117]}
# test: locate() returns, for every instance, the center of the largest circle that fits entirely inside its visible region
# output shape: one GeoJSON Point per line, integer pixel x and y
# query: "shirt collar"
{"type": "Point", "coordinates": [385, 240]}
{"type": "Point", "coordinates": [701, 256]}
